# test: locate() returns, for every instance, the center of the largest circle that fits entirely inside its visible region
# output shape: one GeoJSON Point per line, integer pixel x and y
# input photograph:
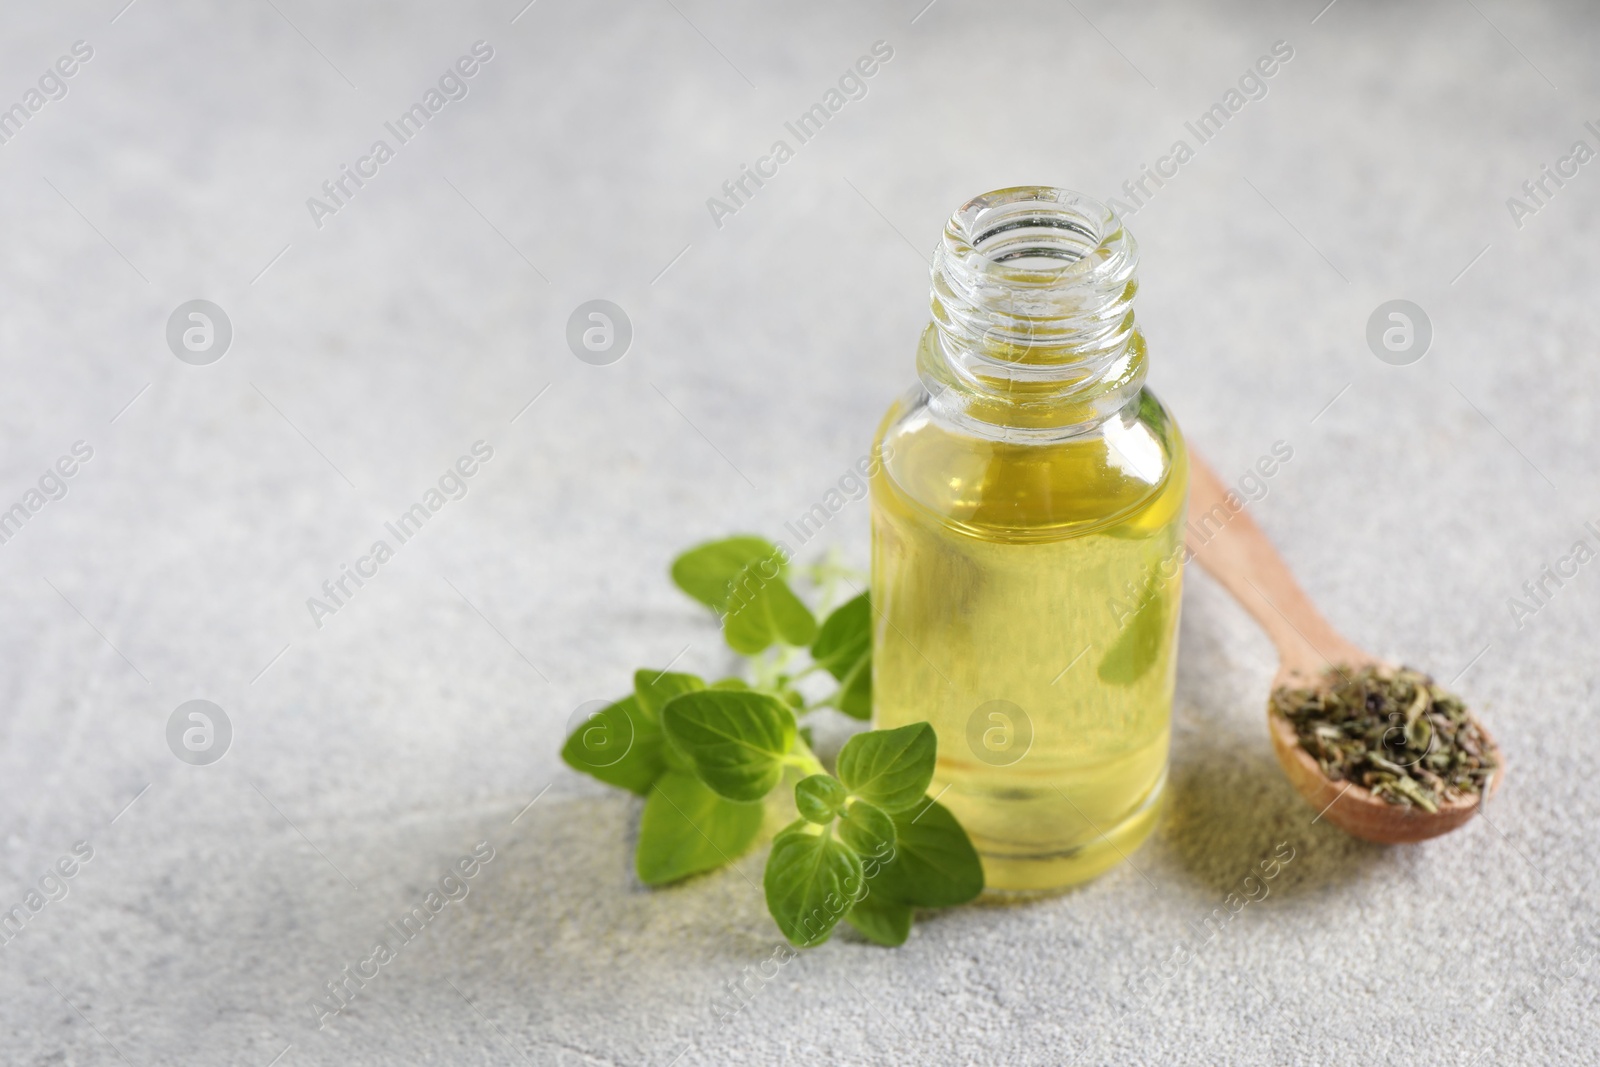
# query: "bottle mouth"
{"type": "Point", "coordinates": [1030, 233]}
{"type": "Point", "coordinates": [1045, 273]}
{"type": "Point", "coordinates": [1032, 303]}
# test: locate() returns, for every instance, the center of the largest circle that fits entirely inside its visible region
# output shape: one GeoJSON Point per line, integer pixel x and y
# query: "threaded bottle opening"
{"type": "Point", "coordinates": [1032, 231]}
{"type": "Point", "coordinates": [1032, 304]}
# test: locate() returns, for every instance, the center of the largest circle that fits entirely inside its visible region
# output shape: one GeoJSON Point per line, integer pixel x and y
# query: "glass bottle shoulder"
{"type": "Point", "coordinates": [1127, 476]}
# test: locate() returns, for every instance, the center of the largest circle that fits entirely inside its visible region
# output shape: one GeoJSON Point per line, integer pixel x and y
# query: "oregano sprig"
{"type": "Point", "coordinates": [711, 761]}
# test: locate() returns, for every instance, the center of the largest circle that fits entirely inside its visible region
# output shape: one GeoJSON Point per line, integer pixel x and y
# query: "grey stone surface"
{"type": "Point", "coordinates": [425, 715]}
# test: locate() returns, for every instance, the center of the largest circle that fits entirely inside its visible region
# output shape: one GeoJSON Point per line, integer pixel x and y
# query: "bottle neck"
{"type": "Point", "coordinates": [1033, 333]}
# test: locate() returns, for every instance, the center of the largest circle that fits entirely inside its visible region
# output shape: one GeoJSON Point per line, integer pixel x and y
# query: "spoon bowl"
{"type": "Point", "coordinates": [1238, 554]}
{"type": "Point", "coordinates": [1356, 810]}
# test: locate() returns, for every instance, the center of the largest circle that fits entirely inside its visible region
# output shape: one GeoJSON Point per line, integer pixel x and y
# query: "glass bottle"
{"type": "Point", "coordinates": [1027, 543]}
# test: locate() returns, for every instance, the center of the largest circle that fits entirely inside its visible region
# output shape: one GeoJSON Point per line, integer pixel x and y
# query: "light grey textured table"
{"type": "Point", "coordinates": [429, 309]}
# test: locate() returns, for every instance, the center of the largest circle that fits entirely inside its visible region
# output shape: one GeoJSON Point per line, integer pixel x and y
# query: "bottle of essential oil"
{"type": "Point", "coordinates": [1027, 542]}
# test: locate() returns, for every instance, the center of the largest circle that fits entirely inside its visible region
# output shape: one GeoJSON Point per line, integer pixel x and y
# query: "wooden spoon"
{"type": "Point", "coordinates": [1239, 556]}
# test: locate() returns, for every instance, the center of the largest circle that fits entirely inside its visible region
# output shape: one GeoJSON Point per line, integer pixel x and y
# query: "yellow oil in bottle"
{"type": "Point", "coordinates": [1026, 589]}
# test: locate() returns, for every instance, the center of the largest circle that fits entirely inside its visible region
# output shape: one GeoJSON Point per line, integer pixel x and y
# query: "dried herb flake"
{"type": "Point", "coordinates": [1393, 731]}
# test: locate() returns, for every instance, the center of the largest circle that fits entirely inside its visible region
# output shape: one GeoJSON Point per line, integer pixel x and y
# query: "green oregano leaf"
{"type": "Point", "coordinates": [867, 829]}
{"type": "Point", "coordinates": [792, 621]}
{"type": "Point", "coordinates": [844, 649]}
{"type": "Point", "coordinates": [707, 571]}
{"type": "Point", "coordinates": [734, 739]}
{"type": "Point", "coordinates": [686, 829]}
{"type": "Point", "coordinates": [855, 692]}
{"type": "Point", "coordinates": [654, 688]}
{"type": "Point", "coordinates": [620, 745]}
{"type": "Point", "coordinates": [890, 768]}
{"type": "Point", "coordinates": [934, 865]}
{"type": "Point", "coordinates": [820, 798]}
{"type": "Point", "coordinates": [762, 609]}
{"type": "Point", "coordinates": [879, 919]}
{"type": "Point", "coordinates": [845, 637]}
{"type": "Point", "coordinates": [811, 880]}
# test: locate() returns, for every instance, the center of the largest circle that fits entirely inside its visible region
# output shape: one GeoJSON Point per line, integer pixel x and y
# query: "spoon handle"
{"type": "Point", "coordinates": [1228, 543]}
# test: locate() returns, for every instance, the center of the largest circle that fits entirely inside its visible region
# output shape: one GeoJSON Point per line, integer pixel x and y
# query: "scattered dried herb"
{"type": "Point", "coordinates": [1392, 731]}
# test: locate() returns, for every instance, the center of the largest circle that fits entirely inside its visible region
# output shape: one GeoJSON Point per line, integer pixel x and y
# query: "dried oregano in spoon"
{"type": "Point", "coordinates": [1392, 731]}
